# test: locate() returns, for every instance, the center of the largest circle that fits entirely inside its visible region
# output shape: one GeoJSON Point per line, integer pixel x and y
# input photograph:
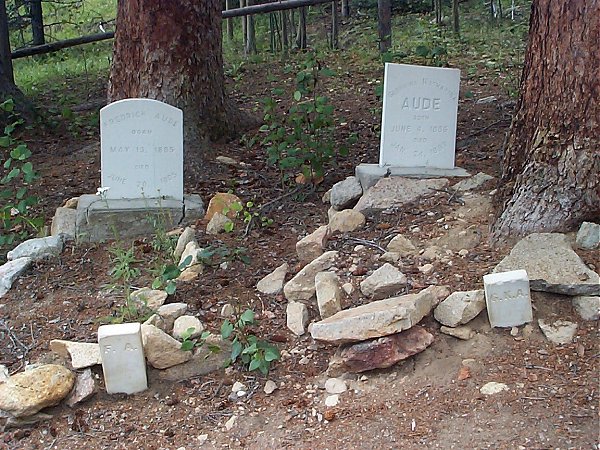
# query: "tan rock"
{"type": "Point", "coordinates": [385, 281]}
{"type": "Point", "coordinates": [217, 223]}
{"type": "Point", "coordinates": [28, 392]}
{"type": "Point", "coordinates": [161, 350]}
{"type": "Point", "coordinates": [151, 298]}
{"type": "Point", "coordinates": [346, 221]}
{"type": "Point", "coordinates": [311, 246]}
{"type": "Point", "coordinates": [296, 317]}
{"type": "Point", "coordinates": [302, 286]}
{"type": "Point", "coordinates": [187, 236]}
{"type": "Point", "coordinates": [329, 294]}
{"type": "Point", "coordinates": [220, 202]}
{"type": "Point", "coordinates": [402, 245]}
{"type": "Point", "coordinates": [272, 284]}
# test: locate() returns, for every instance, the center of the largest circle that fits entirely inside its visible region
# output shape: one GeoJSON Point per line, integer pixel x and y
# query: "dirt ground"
{"type": "Point", "coordinates": [552, 400]}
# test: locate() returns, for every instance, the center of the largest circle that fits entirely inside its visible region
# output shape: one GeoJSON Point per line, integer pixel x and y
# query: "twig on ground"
{"type": "Point", "coordinates": [365, 242]}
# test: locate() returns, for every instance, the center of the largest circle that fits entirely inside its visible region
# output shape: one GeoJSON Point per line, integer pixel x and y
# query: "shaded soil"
{"type": "Point", "coordinates": [419, 403]}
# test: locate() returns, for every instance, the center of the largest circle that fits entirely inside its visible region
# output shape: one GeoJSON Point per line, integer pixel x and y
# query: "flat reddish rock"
{"type": "Point", "coordinates": [381, 352]}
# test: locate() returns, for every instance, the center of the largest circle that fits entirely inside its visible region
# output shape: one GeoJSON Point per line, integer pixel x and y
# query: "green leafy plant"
{"type": "Point", "coordinates": [215, 255]}
{"type": "Point", "coordinates": [187, 343]}
{"type": "Point", "coordinates": [302, 138]}
{"type": "Point", "coordinates": [248, 213]}
{"type": "Point", "coordinates": [168, 273]}
{"type": "Point", "coordinates": [252, 352]}
{"type": "Point", "coordinates": [123, 271]}
{"type": "Point", "coordinates": [16, 216]}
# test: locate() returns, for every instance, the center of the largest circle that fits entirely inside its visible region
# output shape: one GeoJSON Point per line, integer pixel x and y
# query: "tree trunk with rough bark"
{"type": "Point", "coordinates": [384, 24]}
{"type": "Point", "coordinates": [170, 50]}
{"type": "Point", "coordinates": [551, 165]}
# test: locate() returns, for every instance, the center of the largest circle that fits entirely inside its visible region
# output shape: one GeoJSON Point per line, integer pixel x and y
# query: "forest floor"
{"type": "Point", "coordinates": [552, 401]}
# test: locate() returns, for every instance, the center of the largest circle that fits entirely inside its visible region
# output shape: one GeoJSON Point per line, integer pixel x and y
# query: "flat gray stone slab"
{"type": "Point", "coordinates": [370, 174]}
{"type": "Point", "coordinates": [10, 271]}
{"type": "Point", "coordinates": [396, 191]}
{"type": "Point", "coordinates": [552, 265]}
{"type": "Point", "coordinates": [101, 220]}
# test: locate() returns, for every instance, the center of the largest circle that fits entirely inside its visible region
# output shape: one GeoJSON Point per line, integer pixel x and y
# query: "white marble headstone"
{"type": "Point", "coordinates": [508, 298]}
{"type": "Point", "coordinates": [141, 149]}
{"type": "Point", "coordinates": [123, 361]}
{"type": "Point", "coordinates": [418, 125]}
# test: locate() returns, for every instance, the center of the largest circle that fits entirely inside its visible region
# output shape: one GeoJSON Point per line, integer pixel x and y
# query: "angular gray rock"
{"type": "Point", "coordinates": [85, 387]}
{"type": "Point", "coordinates": [345, 193]}
{"type": "Point", "coordinates": [296, 317]}
{"type": "Point", "coordinates": [587, 307]}
{"type": "Point", "coordinates": [37, 249]}
{"type": "Point", "coordinates": [401, 245]}
{"type": "Point", "coordinates": [63, 223]}
{"type": "Point", "coordinates": [151, 298]}
{"type": "Point", "coordinates": [558, 332]}
{"type": "Point", "coordinates": [81, 354]}
{"type": "Point", "coordinates": [329, 294]}
{"type": "Point", "coordinates": [472, 182]}
{"type": "Point", "coordinates": [302, 286]}
{"type": "Point", "coordinates": [378, 318]}
{"type": "Point", "coordinates": [217, 223]}
{"type": "Point", "coordinates": [551, 265]}
{"type": "Point", "coordinates": [272, 284]}
{"type": "Point", "coordinates": [28, 392]}
{"type": "Point", "coordinates": [10, 271]}
{"type": "Point", "coordinates": [588, 236]}
{"type": "Point", "coordinates": [311, 246]}
{"type": "Point", "coordinates": [460, 307]}
{"type": "Point", "coordinates": [167, 314]}
{"type": "Point", "coordinates": [396, 192]}
{"type": "Point", "coordinates": [346, 221]}
{"type": "Point", "coordinates": [379, 353]}
{"type": "Point", "coordinates": [161, 350]}
{"type": "Point", "coordinates": [385, 281]}
{"type": "Point", "coordinates": [187, 236]}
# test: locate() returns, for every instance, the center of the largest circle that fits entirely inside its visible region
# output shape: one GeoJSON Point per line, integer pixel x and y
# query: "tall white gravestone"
{"type": "Point", "coordinates": [141, 143]}
{"type": "Point", "coordinates": [418, 125]}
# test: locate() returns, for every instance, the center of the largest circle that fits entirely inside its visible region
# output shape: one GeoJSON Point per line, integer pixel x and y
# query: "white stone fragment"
{"type": "Point", "coordinates": [492, 388]}
{"type": "Point", "coordinates": [559, 332]}
{"type": "Point", "coordinates": [38, 248]}
{"type": "Point", "coordinates": [272, 284]}
{"type": "Point", "coordinates": [10, 271]}
{"type": "Point", "coordinates": [184, 323]}
{"type": "Point", "coordinates": [297, 317]}
{"type": "Point", "coordinates": [329, 294]}
{"type": "Point", "coordinates": [122, 355]}
{"type": "Point", "coordinates": [508, 298]}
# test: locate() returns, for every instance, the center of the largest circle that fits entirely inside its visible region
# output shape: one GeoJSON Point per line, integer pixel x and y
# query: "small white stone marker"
{"type": "Point", "coordinates": [123, 360]}
{"type": "Point", "coordinates": [507, 298]}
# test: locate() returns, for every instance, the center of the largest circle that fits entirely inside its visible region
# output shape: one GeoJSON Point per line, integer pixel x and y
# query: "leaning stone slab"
{"type": "Point", "coordinates": [379, 353]}
{"type": "Point", "coordinates": [588, 236]}
{"type": "Point", "coordinates": [345, 193]}
{"type": "Point", "coordinates": [587, 307]}
{"type": "Point", "coordinates": [63, 223]}
{"type": "Point", "coordinates": [460, 308]}
{"type": "Point", "coordinates": [272, 284]}
{"type": "Point", "coordinates": [397, 191]}
{"type": "Point", "coordinates": [310, 247]}
{"type": "Point", "coordinates": [10, 271]}
{"type": "Point", "coordinates": [302, 286]}
{"type": "Point", "coordinates": [28, 392]}
{"type": "Point", "coordinates": [385, 281]}
{"type": "Point", "coordinates": [551, 265]}
{"type": "Point", "coordinates": [370, 174]}
{"type": "Point", "coordinates": [378, 318]}
{"type": "Point", "coordinates": [162, 350]}
{"type": "Point", "coordinates": [81, 354]}
{"type": "Point", "coordinates": [37, 249]}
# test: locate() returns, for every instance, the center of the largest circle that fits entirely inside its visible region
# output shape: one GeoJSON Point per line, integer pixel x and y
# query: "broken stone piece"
{"type": "Point", "coordinates": [217, 223]}
{"type": "Point", "coordinates": [272, 284]}
{"type": "Point", "coordinates": [329, 294]}
{"type": "Point", "coordinates": [463, 333]}
{"type": "Point", "coordinates": [588, 236]}
{"type": "Point", "coordinates": [85, 387]}
{"type": "Point", "coordinates": [311, 247]}
{"type": "Point", "coordinates": [162, 351]}
{"type": "Point", "coordinates": [460, 307]}
{"type": "Point", "coordinates": [344, 194]}
{"type": "Point", "coordinates": [401, 245]}
{"type": "Point", "coordinates": [37, 248]}
{"type": "Point", "coordinates": [151, 298]}
{"type": "Point", "coordinates": [81, 354]}
{"type": "Point", "coordinates": [587, 307]}
{"type": "Point", "coordinates": [379, 353]}
{"type": "Point", "coordinates": [559, 332]}
{"type": "Point", "coordinates": [187, 236]}
{"type": "Point", "coordinates": [184, 323]}
{"type": "Point", "coordinates": [346, 221]}
{"type": "Point", "coordinates": [385, 281]}
{"type": "Point", "coordinates": [302, 286]}
{"type": "Point", "coordinates": [297, 317]}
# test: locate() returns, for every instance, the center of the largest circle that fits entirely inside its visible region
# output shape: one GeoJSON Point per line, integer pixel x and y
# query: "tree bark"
{"type": "Point", "coordinates": [551, 165]}
{"type": "Point", "coordinates": [5, 57]}
{"type": "Point", "coordinates": [170, 50]}
{"type": "Point", "coordinates": [37, 22]}
{"type": "Point", "coordinates": [384, 11]}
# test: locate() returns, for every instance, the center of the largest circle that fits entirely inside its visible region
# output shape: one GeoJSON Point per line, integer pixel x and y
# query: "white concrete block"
{"type": "Point", "coordinates": [123, 360]}
{"type": "Point", "coordinates": [508, 298]}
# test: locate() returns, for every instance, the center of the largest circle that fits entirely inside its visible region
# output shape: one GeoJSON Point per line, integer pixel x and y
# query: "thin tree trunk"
{"type": "Point", "coordinates": [5, 59]}
{"type": "Point", "coordinates": [228, 6]}
{"type": "Point", "coordinates": [335, 25]}
{"type": "Point", "coordinates": [438, 12]}
{"type": "Point", "coordinates": [251, 32]}
{"type": "Point", "coordinates": [551, 166]}
{"type": "Point", "coordinates": [455, 20]}
{"type": "Point", "coordinates": [301, 41]}
{"type": "Point", "coordinates": [285, 31]}
{"type": "Point", "coordinates": [345, 8]}
{"type": "Point", "coordinates": [384, 10]}
{"type": "Point", "coordinates": [37, 22]}
{"type": "Point", "coordinates": [244, 27]}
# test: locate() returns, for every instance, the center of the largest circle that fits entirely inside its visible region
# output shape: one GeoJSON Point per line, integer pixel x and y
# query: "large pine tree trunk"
{"type": "Point", "coordinates": [551, 166]}
{"type": "Point", "coordinates": [170, 50]}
